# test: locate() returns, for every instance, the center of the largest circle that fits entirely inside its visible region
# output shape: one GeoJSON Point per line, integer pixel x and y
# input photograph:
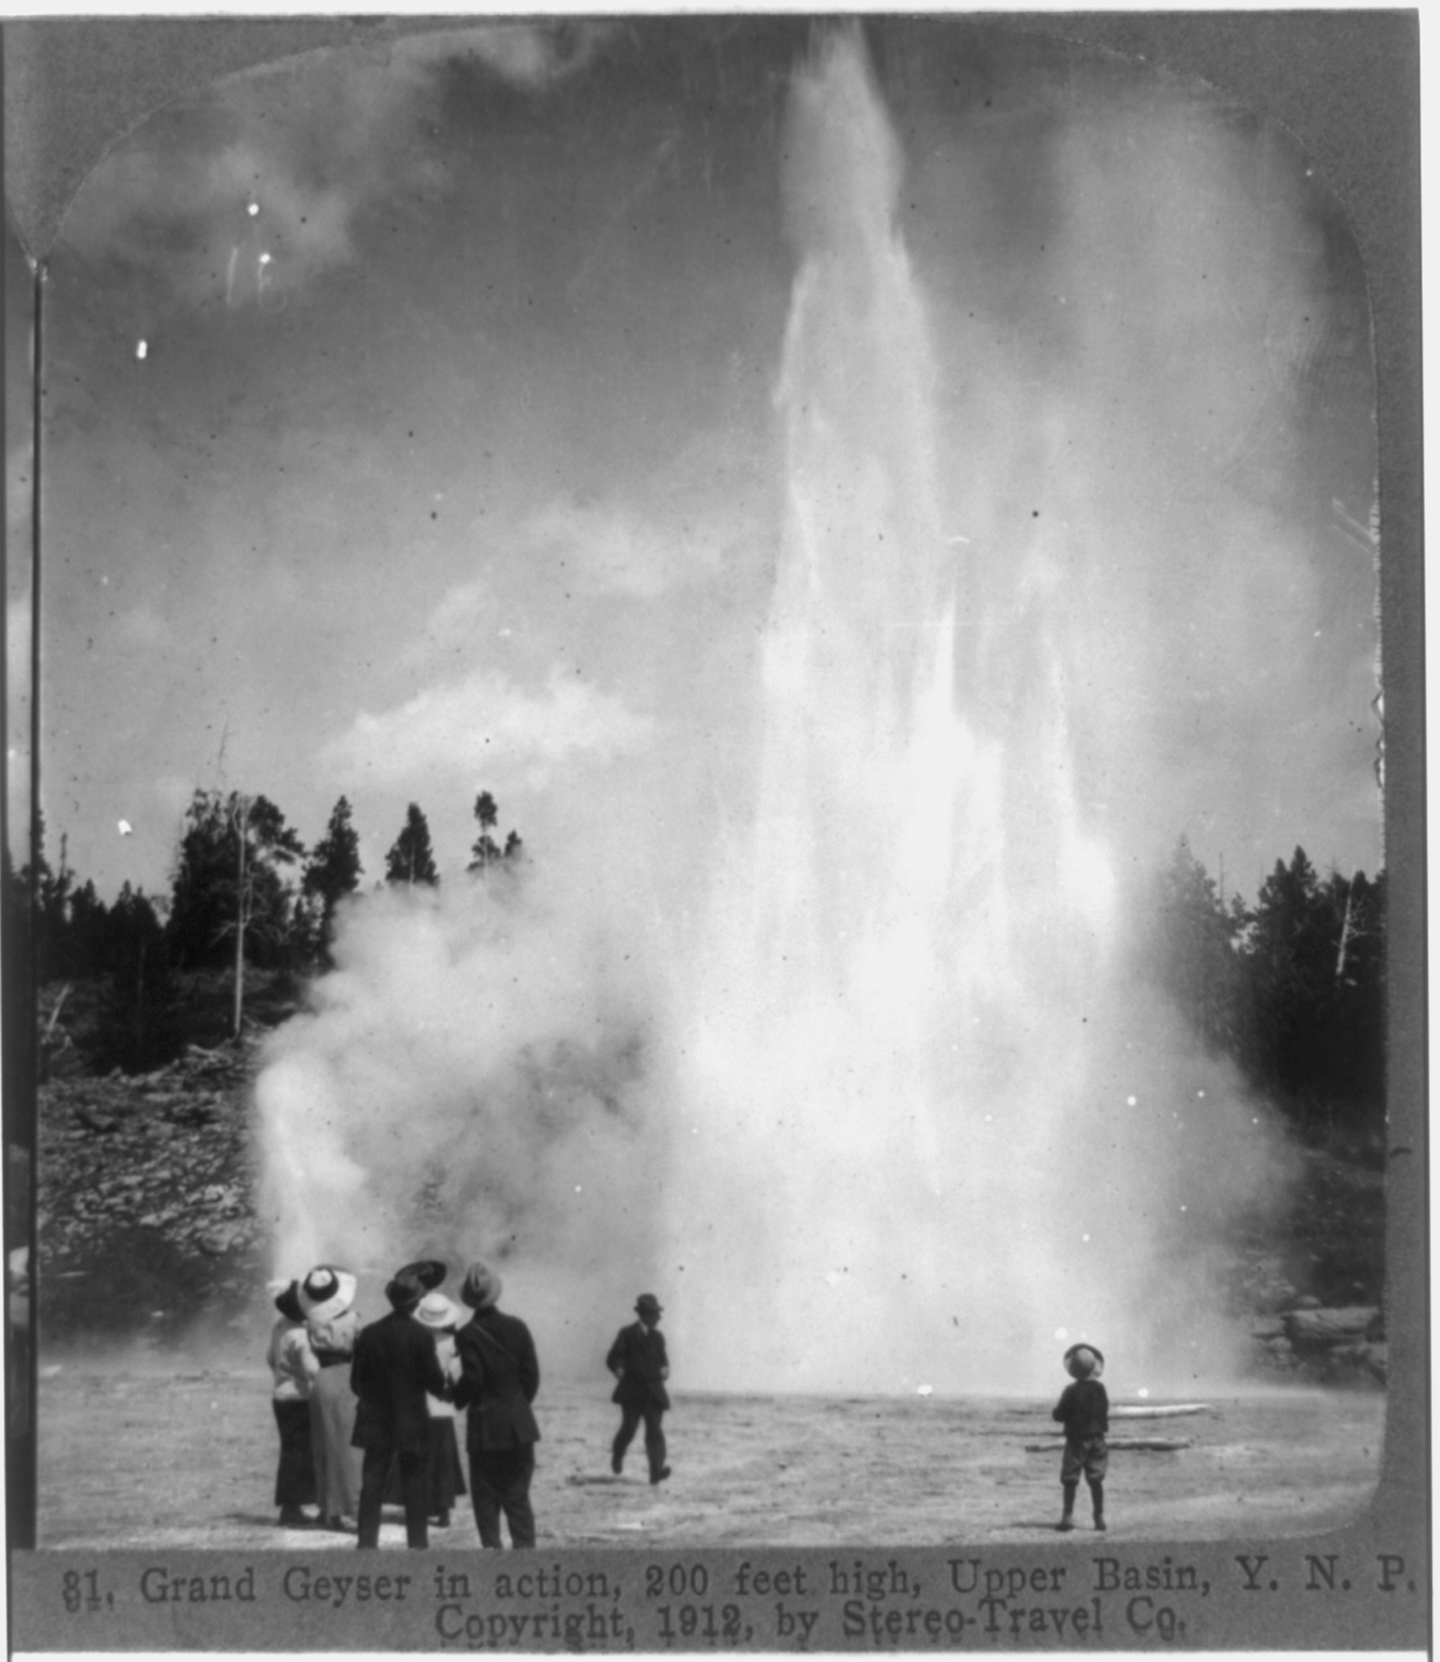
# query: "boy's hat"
{"type": "Point", "coordinates": [1084, 1362]}
{"type": "Point", "coordinates": [647, 1305]}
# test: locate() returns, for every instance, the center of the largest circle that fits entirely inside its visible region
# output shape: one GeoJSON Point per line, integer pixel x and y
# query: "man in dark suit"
{"type": "Point", "coordinates": [394, 1365]}
{"type": "Point", "coordinates": [641, 1367]}
{"type": "Point", "coordinates": [499, 1377]}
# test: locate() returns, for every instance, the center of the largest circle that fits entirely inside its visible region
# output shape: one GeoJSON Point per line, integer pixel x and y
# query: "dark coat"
{"type": "Point", "coordinates": [640, 1351]}
{"type": "Point", "coordinates": [395, 1365]}
{"type": "Point", "coordinates": [500, 1377]}
{"type": "Point", "coordinates": [1083, 1409]}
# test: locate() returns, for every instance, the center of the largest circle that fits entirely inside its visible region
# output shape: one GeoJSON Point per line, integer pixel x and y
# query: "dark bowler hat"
{"type": "Point", "coordinates": [429, 1272]}
{"type": "Point", "coordinates": [647, 1305]}
{"type": "Point", "coordinates": [405, 1291]}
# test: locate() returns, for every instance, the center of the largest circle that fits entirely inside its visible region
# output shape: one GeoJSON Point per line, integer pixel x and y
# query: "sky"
{"type": "Point", "coordinates": [411, 431]}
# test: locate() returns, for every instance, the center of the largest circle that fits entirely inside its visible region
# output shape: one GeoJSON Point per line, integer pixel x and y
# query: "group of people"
{"type": "Point", "coordinates": [366, 1415]}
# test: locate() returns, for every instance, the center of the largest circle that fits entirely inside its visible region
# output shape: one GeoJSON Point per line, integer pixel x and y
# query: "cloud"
{"type": "Point", "coordinates": [249, 193]}
{"type": "Point", "coordinates": [530, 54]}
{"type": "Point", "coordinates": [453, 626]}
{"type": "Point", "coordinates": [253, 191]}
{"type": "Point", "coordinates": [472, 724]}
{"type": "Point", "coordinates": [613, 549]}
{"type": "Point", "coordinates": [705, 507]}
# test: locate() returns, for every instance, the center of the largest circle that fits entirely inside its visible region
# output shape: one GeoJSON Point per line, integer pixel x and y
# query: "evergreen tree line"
{"type": "Point", "coordinates": [244, 893]}
{"type": "Point", "coordinates": [1291, 988]}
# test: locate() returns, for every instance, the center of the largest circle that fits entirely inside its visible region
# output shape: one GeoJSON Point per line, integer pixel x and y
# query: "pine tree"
{"type": "Point", "coordinates": [140, 1017]}
{"type": "Point", "coordinates": [229, 899]}
{"type": "Point", "coordinates": [332, 872]}
{"type": "Point", "coordinates": [410, 859]}
{"type": "Point", "coordinates": [1313, 969]}
{"type": "Point", "coordinates": [1193, 952]}
{"type": "Point", "coordinates": [485, 851]}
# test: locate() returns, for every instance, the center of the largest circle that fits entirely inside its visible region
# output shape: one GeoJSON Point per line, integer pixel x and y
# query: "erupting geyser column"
{"type": "Point", "coordinates": [902, 1149]}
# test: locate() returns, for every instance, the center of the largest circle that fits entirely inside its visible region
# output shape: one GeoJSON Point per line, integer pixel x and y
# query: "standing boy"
{"type": "Point", "coordinates": [1084, 1411]}
{"type": "Point", "coordinates": [641, 1367]}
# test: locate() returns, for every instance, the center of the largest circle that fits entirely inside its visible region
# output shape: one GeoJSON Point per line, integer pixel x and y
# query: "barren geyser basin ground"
{"type": "Point", "coordinates": [198, 1468]}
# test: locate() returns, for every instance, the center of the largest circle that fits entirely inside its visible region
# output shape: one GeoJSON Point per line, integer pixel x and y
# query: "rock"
{"type": "Point", "coordinates": [102, 1123]}
{"type": "Point", "coordinates": [1318, 1329]}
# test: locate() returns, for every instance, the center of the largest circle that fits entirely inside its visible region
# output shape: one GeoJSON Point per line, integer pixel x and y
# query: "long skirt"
{"type": "Point", "coordinates": [445, 1476]}
{"type": "Point", "coordinates": [337, 1464]}
{"type": "Point", "coordinates": [295, 1475]}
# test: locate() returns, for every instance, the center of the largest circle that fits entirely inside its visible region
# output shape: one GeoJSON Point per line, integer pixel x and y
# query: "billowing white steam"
{"type": "Point", "coordinates": [887, 1106]}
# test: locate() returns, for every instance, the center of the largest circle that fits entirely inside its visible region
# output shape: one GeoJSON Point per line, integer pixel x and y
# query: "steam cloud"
{"type": "Point", "coordinates": [869, 1080]}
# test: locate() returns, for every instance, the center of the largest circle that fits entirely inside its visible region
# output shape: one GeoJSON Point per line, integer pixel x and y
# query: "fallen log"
{"type": "Point", "coordinates": [1160, 1445]}
{"type": "Point", "coordinates": [1157, 1411]}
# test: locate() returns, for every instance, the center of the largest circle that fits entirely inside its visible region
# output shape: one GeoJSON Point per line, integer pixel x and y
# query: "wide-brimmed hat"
{"type": "Point", "coordinates": [647, 1304]}
{"type": "Point", "coordinates": [1084, 1362]}
{"type": "Point", "coordinates": [287, 1299]}
{"type": "Point", "coordinates": [429, 1272]}
{"type": "Point", "coordinates": [481, 1287]}
{"type": "Point", "coordinates": [405, 1290]}
{"type": "Point", "coordinates": [327, 1292]}
{"type": "Point", "coordinates": [435, 1310]}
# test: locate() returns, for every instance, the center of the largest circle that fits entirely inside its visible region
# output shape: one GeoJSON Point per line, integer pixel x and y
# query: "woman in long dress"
{"type": "Point", "coordinates": [446, 1476]}
{"type": "Point", "coordinates": [327, 1296]}
{"type": "Point", "coordinates": [293, 1368]}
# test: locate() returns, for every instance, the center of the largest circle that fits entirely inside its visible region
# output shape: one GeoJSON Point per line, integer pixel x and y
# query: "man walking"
{"type": "Point", "coordinates": [641, 1367]}
{"type": "Point", "coordinates": [500, 1375]}
{"type": "Point", "coordinates": [395, 1365]}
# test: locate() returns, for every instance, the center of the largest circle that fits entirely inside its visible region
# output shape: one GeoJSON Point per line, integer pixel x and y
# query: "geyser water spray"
{"type": "Point", "coordinates": [939, 1129]}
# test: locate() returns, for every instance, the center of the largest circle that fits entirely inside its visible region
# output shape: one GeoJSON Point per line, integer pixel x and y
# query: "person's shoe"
{"type": "Point", "coordinates": [661, 1475]}
{"type": "Point", "coordinates": [617, 1463]}
{"type": "Point", "coordinates": [1065, 1525]}
{"type": "Point", "coordinates": [291, 1517]}
{"type": "Point", "coordinates": [443, 1521]}
{"type": "Point", "coordinates": [1100, 1525]}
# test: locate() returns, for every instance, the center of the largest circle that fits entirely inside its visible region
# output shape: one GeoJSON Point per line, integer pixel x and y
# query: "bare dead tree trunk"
{"type": "Point", "coordinates": [240, 909]}
{"type": "Point", "coordinates": [1345, 933]}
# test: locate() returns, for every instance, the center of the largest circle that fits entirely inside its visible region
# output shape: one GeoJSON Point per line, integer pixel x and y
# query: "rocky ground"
{"type": "Point", "coordinates": [147, 1218]}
